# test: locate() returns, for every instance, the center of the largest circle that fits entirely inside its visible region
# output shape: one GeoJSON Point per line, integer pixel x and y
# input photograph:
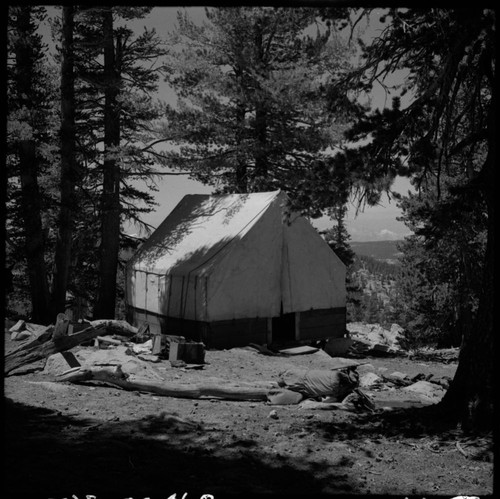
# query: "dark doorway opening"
{"type": "Point", "coordinates": [284, 326]}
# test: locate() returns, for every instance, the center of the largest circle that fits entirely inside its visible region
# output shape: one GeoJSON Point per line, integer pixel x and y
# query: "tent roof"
{"type": "Point", "coordinates": [200, 231]}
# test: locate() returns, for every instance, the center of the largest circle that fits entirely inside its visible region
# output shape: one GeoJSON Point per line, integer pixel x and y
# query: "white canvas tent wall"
{"type": "Point", "coordinates": [230, 269]}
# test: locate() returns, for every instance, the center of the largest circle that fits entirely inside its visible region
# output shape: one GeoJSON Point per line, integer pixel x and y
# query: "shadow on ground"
{"type": "Point", "coordinates": [50, 455]}
{"type": "Point", "coordinates": [429, 422]}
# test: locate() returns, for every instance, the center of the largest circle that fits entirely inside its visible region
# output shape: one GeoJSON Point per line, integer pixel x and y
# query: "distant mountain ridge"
{"type": "Point", "coordinates": [386, 251]}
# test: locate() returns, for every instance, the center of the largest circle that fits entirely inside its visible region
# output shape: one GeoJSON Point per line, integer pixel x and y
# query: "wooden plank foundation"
{"type": "Point", "coordinates": [307, 326]}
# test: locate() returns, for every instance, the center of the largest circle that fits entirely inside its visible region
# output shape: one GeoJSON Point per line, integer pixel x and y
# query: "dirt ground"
{"type": "Point", "coordinates": [87, 440]}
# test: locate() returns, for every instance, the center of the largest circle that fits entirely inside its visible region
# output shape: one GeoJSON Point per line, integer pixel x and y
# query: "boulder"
{"type": "Point", "coordinates": [381, 339]}
{"type": "Point", "coordinates": [370, 380]}
{"type": "Point", "coordinates": [428, 391]}
{"type": "Point", "coordinates": [60, 362]}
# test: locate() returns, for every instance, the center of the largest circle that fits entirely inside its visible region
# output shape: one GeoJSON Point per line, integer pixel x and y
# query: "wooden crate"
{"type": "Point", "coordinates": [189, 352]}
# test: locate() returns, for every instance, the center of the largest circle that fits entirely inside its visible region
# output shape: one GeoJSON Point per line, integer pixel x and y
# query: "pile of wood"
{"type": "Point", "coordinates": [61, 337]}
{"type": "Point", "coordinates": [444, 355]}
{"type": "Point", "coordinates": [360, 349]}
{"type": "Point", "coordinates": [109, 334]}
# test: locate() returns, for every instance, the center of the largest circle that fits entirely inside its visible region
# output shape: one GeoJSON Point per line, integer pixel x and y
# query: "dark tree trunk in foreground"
{"type": "Point", "coordinates": [110, 204]}
{"type": "Point", "coordinates": [29, 169]}
{"type": "Point", "coordinates": [33, 233]}
{"type": "Point", "coordinates": [68, 166]}
{"type": "Point", "coordinates": [471, 393]}
{"type": "Point", "coordinates": [451, 56]}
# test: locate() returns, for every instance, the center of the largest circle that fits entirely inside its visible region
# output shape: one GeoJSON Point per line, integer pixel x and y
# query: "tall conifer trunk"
{"type": "Point", "coordinates": [260, 127]}
{"type": "Point", "coordinates": [241, 166]}
{"type": "Point", "coordinates": [471, 393]}
{"type": "Point", "coordinates": [29, 167]}
{"type": "Point", "coordinates": [68, 166]}
{"type": "Point", "coordinates": [33, 233]}
{"type": "Point", "coordinates": [110, 203]}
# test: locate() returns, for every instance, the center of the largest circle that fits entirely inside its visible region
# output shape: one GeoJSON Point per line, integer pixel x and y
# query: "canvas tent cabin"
{"type": "Point", "coordinates": [235, 269]}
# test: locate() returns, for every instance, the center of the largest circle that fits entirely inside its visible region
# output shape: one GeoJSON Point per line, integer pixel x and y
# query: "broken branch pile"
{"type": "Point", "coordinates": [56, 339]}
{"type": "Point", "coordinates": [445, 355]}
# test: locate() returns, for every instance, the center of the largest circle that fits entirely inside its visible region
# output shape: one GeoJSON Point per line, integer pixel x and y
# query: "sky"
{"type": "Point", "coordinates": [372, 224]}
{"type": "Point", "coordinates": [376, 223]}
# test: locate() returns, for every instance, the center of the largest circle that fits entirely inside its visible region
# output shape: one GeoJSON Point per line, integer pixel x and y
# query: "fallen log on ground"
{"type": "Point", "coordinates": [116, 327]}
{"type": "Point", "coordinates": [106, 339]}
{"type": "Point", "coordinates": [115, 376]}
{"type": "Point", "coordinates": [57, 339]}
{"type": "Point", "coordinates": [26, 354]}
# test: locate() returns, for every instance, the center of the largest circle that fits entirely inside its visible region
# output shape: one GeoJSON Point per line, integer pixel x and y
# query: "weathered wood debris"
{"type": "Point", "coordinates": [443, 355]}
{"type": "Point", "coordinates": [115, 376]}
{"type": "Point", "coordinates": [132, 349]}
{"type": "Point", "coordinates": [56, 338]}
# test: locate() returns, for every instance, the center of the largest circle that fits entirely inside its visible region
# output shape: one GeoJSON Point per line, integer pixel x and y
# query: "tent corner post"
{"type": "Point", "coordinates": [297, 326]}
{"type": "Point", "coordinates": [269, 330]}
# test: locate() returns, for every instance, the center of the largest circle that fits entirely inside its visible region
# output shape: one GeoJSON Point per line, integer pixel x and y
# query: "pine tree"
{"type": "Point", "coordinates": [447, 129]}
{"type": "Point", "coordinates": [251, 112]}
{"type": "Point", "coordinates": [47, 195]}
{"type": "Point", "coordinates": [29, 102]}
{"type": "Point", "coordinates": [338, 239]}
{"type": "Point", "coordinates": [447, 252]}
{"type": "Point", "coordinates": [69, 168]}
{"type": "Point", "coordinates": [114, 112]}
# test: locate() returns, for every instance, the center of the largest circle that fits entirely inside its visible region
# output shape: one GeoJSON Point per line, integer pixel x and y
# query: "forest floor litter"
{"type": "Point", "coordinates": [94, 437]}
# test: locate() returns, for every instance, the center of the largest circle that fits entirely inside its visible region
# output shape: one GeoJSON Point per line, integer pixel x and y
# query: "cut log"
{"type": "Point", "coordinates": [115, 376]}
{"type": "Point", "coordinates": [107, 339]}
{"type": "Point", "coordinates": [37, 338]}
{"type": "Point", "coordinates": [35, 350]}
{"type": "Point", "coordinates": [18, 326]}
{"type": "Point", "coordinates": [56, 339]}
{"type": "Point", "coordinates": [116, 327]}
